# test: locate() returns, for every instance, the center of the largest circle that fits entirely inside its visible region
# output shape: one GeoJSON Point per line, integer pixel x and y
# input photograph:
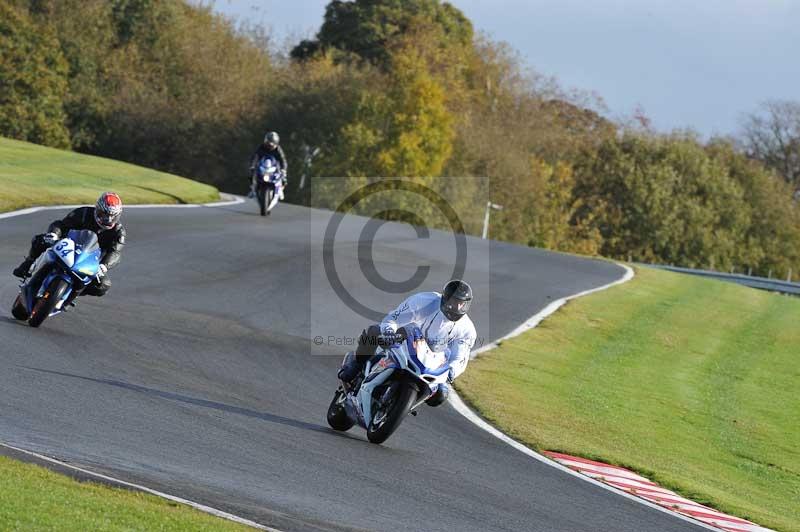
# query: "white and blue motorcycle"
{"type": "Point", "coordinates": [59, 275]}
{"type": "Point", "coordinates": [268, 184]}
{"type": "Point", "coordinates": [395, 382]}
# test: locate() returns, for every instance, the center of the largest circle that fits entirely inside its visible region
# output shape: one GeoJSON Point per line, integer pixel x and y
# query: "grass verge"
{"type": "Point", "coordinates": [32, 175]}
{"type": "Point", "coordinates": [694, 383]}
{"type": "Point", "coordinates": [34, 498]}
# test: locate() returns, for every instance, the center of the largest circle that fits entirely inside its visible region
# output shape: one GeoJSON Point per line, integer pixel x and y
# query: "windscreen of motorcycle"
{"type": "Point", "coordinates": [430, 359]}
{"type": "Point", "coordinates": [267, 168]}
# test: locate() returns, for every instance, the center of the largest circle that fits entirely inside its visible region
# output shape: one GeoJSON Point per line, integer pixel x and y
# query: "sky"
{"type": "Point", "coordinates": [700, 64]}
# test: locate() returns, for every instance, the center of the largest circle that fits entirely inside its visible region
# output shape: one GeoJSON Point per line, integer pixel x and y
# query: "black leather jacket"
{"type": "Point", "coordinates": [111, 240]}
{"type": "Point", "coordinates": [277, 153]}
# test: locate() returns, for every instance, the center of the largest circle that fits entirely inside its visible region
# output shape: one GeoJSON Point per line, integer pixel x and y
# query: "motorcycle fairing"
{"type": "Point", "coordinates": [267, 169]}
{"type": "Point", "coordinates": [73, 258]}
{"type": "Point", "coordinates": [373, 380]}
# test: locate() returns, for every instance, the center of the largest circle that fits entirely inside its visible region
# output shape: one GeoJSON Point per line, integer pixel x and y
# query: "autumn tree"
{"type": "Point", "coordinates": [540, 208]}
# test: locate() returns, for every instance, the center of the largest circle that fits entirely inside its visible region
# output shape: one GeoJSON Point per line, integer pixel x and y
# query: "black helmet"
{"type": "Point", "coordinates": [272, 139]}
{"type": "Point", "coordinates": [456, 299]}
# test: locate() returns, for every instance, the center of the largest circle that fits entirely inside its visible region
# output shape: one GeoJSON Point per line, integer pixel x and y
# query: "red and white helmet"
{"type": "Point", "coordinates": [108, 210]}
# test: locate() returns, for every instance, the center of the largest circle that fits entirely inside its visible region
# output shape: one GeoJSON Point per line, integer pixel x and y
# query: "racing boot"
{"type": "Point", "coordinates": [350, 371]}
{"type": "Point", "coordinates": [23, 269]}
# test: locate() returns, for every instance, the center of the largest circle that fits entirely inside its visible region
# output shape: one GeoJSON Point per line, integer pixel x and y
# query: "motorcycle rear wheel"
{"type": "Point", "coordinates": [18, 310]}
{"type": "Point", "coordinates": [45, 305]}
{"type": "Point", "coordinates": [337, 416]}
{"type": "Point", "coordinates": [388, 421]}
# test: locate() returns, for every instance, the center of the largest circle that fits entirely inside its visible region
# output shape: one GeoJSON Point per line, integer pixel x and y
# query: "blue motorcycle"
{"type": "Point", "coordinates": [59, 275]}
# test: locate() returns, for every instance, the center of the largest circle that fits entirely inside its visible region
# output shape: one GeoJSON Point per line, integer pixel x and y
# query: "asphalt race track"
{"type": "Point", "coordinates": [197, 375]}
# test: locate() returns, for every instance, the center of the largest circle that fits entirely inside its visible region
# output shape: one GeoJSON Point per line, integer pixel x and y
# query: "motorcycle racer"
{"type": "Point", "coordinates": [103, 219]}
{"type": "Point", "coordinates": [443, 320]}
{"type": "Point", "coordinates": [270, 147]}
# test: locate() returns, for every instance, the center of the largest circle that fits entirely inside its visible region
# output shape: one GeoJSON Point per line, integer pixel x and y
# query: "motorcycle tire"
{"type": "Point", "coordinates": [398, 410]}
{"type": "Point", "coordinates": [337, 416]}
{"type": "Point", "coordinates": [261, 194]}
{"type": "Point", "coordinates": [18, 310]}
{"type": "Point", "coordinates": [45, 305]}
{"type": "Point", "coordinates": [268, 201]}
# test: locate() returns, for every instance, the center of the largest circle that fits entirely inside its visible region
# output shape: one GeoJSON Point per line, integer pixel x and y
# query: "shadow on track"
{"type": "Point", "coordinates": [264, 416]}
{"type": "Point", "coordinates": [178, 199]}
{"type": "Point", "coordinates": [12, 320]}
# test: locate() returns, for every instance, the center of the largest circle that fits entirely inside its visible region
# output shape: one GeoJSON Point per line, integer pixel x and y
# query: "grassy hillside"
{"type": "Point", "coordinates": [33, 498]}
{"type": "Point", "coordinates": [32, 175]}
{"type": "Point", "coordinates": [690, 381]}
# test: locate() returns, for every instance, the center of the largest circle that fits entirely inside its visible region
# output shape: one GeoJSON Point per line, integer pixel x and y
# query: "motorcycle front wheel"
{"type": "Point", "coordinates": [268, 200]}
{"type": "Point", "coordinates": [337, 416]}
{"type": "Point", "coordinates": [389, 416]}
{"type": "Point", "coordinates": [261, 192]}
{"type": "Point", "coordinates": [45, 305]}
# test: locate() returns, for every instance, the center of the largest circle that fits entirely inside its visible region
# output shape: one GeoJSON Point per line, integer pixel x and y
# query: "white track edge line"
{"type": "Point", "coordinates": [235, 200]}
{"type": "Point", "coordinates": [458, 404]}
{"type": "Point", "coordinates": [195, 505]}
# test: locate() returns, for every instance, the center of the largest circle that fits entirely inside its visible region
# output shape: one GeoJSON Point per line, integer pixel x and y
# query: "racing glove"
{"type": "Point", "coordinates": [50, 238]}
{"type": "Point", "coordinates": [102, 271]}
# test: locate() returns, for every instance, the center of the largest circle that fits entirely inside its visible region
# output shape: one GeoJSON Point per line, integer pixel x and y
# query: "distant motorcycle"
{"type": "Point", "coordinates": [59, 275]}
{"type": "Point", "coordinates": [396, 382]}
{"type": "Point", "coordinates": [268, 183]}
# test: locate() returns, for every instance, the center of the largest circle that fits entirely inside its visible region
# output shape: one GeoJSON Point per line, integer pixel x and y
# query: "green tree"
{"type": "Point", "coordinates": [772, 240]}
{"type": "Point", "coordinates": [186, 104]}
{"type": "Point", "coordinates": [33, 81]}
{"type": "Point", "coordinates": [662, 199]}
{"type": "Point", "coordinates": [90, 52]}
{"type": "Point", "coordinates": [365, 28]}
